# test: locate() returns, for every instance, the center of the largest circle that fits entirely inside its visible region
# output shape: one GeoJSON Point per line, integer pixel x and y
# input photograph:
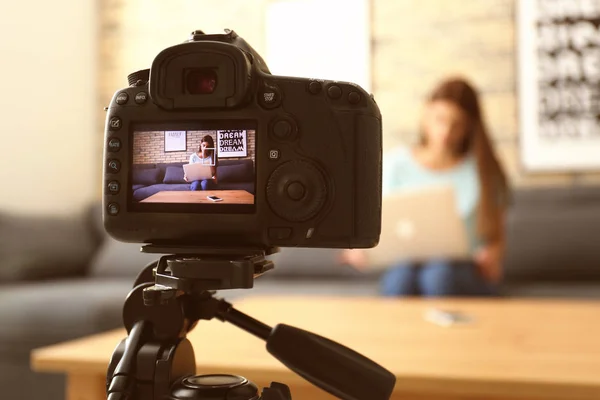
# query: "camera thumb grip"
{"type": "Point", "coordinates": [329, 365]}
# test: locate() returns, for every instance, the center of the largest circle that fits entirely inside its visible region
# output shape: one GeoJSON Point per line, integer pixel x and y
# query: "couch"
{"type": "Point", "coordinates": [63, 277]}
{"type": "Point", "coordinates": [149, 179]}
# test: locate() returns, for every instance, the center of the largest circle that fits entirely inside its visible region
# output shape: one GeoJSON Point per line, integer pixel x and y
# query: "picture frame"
{"type": "Point", "coordinates": [232, 143]}
{"type": "Point", "coordinates": [558, 85]}
{"type": "Point", "coordinates": [175, 141]}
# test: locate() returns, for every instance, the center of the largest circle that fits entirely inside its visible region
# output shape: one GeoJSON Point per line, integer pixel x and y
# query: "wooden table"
{"type": "Point", "coordinates": [200, 196]}
{"type": "Point", "coordinates": [513, 349]}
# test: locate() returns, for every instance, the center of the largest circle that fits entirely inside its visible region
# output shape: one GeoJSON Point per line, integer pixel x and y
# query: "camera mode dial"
{"type": "Point", "coordinates": [138, 76]}
{"type": "Point", "coordinates": [296, 190]}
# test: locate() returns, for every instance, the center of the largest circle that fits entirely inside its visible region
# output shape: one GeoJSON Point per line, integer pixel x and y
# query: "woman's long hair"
{"type": "Point", "coordinates": [494, 190]}
{"type": "Point", "coordinates": [211, 144]}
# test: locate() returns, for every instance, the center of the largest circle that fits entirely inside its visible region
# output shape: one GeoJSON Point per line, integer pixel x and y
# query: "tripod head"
{"type": "Point", "coordinates": [156, 361]}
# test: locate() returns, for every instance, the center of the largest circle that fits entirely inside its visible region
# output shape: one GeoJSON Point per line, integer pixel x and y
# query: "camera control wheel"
{"type": "Point", "coordinates": [296, 190]}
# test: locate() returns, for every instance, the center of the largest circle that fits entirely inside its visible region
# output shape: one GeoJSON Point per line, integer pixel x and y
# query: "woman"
{"type": "Point", "coordinates": [205, 155]}
{"type": "Point", "coordinates": [455, 149]}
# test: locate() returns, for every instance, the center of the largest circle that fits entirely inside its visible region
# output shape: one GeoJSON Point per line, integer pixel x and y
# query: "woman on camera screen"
{"type": "Point", "coordinates": [205, 155]}
{"type": "Point", "coordinates": [453, 149]}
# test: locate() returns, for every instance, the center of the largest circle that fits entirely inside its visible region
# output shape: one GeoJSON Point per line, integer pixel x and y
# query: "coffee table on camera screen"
{"type": "Point", "coordinates": [200, 196]}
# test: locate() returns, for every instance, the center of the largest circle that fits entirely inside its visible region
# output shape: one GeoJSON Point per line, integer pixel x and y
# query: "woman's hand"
{"type": "Point", "coordinates": [489, 261]}
{"type": "Point", "coordinates": [356, 258]}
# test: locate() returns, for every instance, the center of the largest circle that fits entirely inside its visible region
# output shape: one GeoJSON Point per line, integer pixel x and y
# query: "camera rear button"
{"type": "Point", "coordinates": [141, 97]}
{"type": "Point", "coordinates": [122, 98]}
{"type": "Point", "coordinates": [114, 145]}
{"type": "Point", "coordinates": [296, 190]}
{"type": "Point", "coordinates": [314, 87]}
{"type": "Point", "coordinates": [274, 154]}
{"type": "Point", "coordinates": [113, 187]}
{"type": "Point", "coordinates": [282, 129]}
{"type": "Point", "coordinates": [280, 233]}
{"type": "Point", "coordinates": [113, 166]}
{"type": "Point", "coordinates": [113, 209]}
{"type": "Point", "coordinates": [269, 97]}
{"type": "Point", "coordinates": [114, 124]}
{"type": "Point", "coordinates": [334, 92]}
{"type": "Point", "coordinates": [354, 97]}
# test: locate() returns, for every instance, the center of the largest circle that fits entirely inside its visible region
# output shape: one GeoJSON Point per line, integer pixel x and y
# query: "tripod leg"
{"type": "Point", "coordinates": [122, 382]}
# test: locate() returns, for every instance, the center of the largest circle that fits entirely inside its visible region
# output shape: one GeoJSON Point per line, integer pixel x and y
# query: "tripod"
{"type": "Point", "coordinates": [156, 361]}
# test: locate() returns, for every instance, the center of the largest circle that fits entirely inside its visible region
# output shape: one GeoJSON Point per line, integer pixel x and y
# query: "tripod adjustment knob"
{"type": "Point", "coordinates": [277, 391]}
{"type": "Point", "coordinates": [158, 295]}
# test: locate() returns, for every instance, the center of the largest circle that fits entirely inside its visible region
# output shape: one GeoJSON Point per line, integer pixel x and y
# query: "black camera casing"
{"type": "Point", "coordinates": [325, 134]}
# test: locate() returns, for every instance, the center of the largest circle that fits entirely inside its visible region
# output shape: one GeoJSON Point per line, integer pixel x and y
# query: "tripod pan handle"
{"type": "Point", "coordinates": [329, 365]}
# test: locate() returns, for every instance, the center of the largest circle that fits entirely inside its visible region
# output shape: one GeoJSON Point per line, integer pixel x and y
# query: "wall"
{"type": "Point", "coordinates": [149, 147]}
{"type": "Point", "coordinates": [415, 43]}
{"type": "Point", "coordinates": [47, 107]}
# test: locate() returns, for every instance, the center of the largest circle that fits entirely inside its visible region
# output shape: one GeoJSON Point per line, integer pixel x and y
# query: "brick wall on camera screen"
{"type": "Point", "coordinates": [149, 147]}
{"type": "Point", "coordinates": [414, 44]}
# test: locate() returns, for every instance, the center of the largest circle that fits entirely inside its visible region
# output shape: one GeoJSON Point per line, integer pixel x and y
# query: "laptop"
{"type": "Point", "coordinates": [419, 224]}
{"type": "Point", "coordinates": [197, 171]}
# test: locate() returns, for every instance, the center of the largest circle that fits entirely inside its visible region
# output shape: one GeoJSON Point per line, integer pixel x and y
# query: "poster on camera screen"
{"type": "Point", "coordinates": [232, 143]}
{"type": "Point", "coordinates": [559, 84]}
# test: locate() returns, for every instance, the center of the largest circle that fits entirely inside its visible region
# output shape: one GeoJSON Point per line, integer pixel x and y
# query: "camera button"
{"type": "Point", "coordinates": [282, 129]}
{"type": "Point", "coordinates": [113, 166]}
{"type": "Point", "coordinates": [315, 87]}
{"type": "Point", "coordinates": [296, 191]}
{"type": "Point", "coordinates": [122, 98]}
{"type": "Point", "coordinates": [114, 145]}
{"type": "Point", "coordinates": [354, 97]}
{"type": "Point", "coordinates": [280, 233]}
{"type": "Point", "coordinates": [274, 154]}
{"type": "Point", "coordinates": [334, 92]}
{"type": "Point", "coordinates": [269, 97]}
{"type": "Point", "coordinates": [114, 124]}
{"type": "Point", "coordinates": [141, 97]}
{"type": "Point", "coordinates": [113, 187]}
{"type": "Point", "coordinates": [112, 209]}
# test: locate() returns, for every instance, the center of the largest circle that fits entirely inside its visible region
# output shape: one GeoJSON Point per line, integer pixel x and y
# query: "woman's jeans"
{"type": "Point", "coordinates": [205, 184]}
{"type": "Point", "coordinates": [436, 278]}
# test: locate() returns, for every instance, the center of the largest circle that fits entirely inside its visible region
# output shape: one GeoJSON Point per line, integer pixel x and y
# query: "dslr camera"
{"type": "Point", "coordinates": [208, 148]}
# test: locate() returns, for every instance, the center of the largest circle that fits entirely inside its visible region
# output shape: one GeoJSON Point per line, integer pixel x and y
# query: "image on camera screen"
{"type": "Point", "coordinates": [193, 169]}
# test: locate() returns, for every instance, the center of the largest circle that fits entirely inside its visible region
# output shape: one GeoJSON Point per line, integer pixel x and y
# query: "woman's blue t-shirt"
{"type": "Point", "coordinates": [195, 158]}
{"type": "Point", "coordinates": [402, 171]}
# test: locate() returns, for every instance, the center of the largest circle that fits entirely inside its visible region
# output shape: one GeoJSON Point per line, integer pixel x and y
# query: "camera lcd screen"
{"type": "Point", "coordinates": [185, 167]}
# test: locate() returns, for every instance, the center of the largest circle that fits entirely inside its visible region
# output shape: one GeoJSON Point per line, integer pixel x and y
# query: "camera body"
{"type": "Point", "coordinates": [293, 162]}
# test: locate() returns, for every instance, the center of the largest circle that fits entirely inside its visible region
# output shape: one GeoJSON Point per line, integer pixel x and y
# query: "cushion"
{"type": "Point", "coordinates": [148, 176]}
{"type": "Point", "coordinates": [44, 247]}
{"type": "Point", "coordinates": [247, 186]}
{"type": "Point", "coordinates": [234, 173]}
{"type": "Point", "coordinates": [174, 175]}
{"type": "Point", "coordinates": [552, 235]}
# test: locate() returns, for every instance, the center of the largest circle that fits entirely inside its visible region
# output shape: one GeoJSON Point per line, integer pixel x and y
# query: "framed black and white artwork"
{"type": "Point", "coordinates": [558, 45]}
{"type": "Point", "coordinates": [175, 141]}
